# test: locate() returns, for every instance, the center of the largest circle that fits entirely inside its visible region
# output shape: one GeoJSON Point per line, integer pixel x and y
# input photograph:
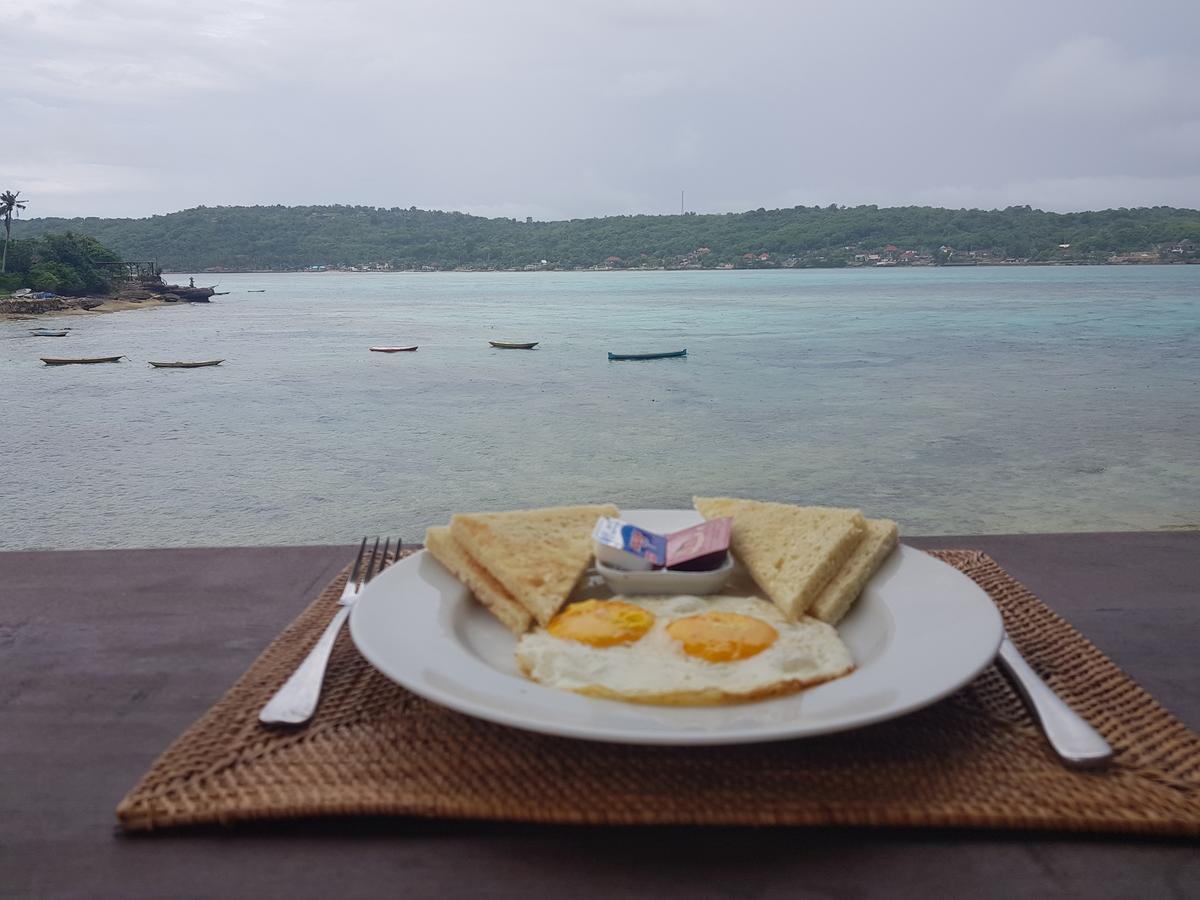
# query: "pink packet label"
{"type": "Point", "coordinates": [709, 538]}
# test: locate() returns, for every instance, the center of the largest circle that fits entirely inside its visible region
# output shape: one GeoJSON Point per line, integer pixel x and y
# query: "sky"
{"type": "Point", "coordinates": [562, 109]}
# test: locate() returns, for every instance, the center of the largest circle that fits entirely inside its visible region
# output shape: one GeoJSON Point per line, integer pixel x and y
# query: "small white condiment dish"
{"type": "Point", "coordinates": [666, 581]}
{"type": "Point", "coordinates": [620, 560]}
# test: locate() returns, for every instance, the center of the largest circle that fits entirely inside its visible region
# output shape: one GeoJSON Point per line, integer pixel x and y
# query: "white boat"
{"type": "Point", "coordinates": [186, 365]}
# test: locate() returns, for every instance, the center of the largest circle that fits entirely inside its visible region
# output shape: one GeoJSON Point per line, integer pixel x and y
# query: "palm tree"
{"type": "Point", "coordinates": [9, 206]}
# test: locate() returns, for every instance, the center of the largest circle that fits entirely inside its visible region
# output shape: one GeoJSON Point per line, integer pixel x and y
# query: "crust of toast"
{"type": "Point", "coordinates": [487, 590]}
{"type": "Point", "coordinates": [538, 555]}
{"type": "Point", "coordinates": [791, 552]}
{"type": "Point", "coordinates": [839, 595]}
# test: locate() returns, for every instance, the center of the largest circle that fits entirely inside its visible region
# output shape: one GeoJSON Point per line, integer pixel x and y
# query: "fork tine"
{"type": "Point", "coordinates": [370, 563]}
{"type": "Point", "coordinates": [362, 548]}
{"type": "Point", "coordinates": [383, 560]}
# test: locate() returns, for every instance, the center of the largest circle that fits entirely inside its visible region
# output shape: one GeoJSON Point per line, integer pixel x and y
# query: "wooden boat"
{"type": "Point", "coordinates": [514, 345]}
{"type": "Point", "coordinates": [256, 291]}
{"type": "Point", "coordinates": [82, 360]}
{"type": "Point", "coordinates": [391, 349]}
{"type": "Point", "coordinates": [45, 332]}
{"type": "Point", "coordinates": [670, 355]}
{"type": "Point", "coordinates": [186, 365]}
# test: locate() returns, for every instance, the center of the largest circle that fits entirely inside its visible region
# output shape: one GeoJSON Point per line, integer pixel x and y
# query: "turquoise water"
{"type": "Point", "coordinates": [953, 400]}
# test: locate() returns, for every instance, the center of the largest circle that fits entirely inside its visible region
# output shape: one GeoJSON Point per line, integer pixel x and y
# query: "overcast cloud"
{"type": "Point", "coordinates": [592, 107]}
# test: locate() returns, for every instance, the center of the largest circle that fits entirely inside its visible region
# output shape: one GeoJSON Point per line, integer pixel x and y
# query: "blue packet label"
{"type": "Point", "coordinates": [627, 538]}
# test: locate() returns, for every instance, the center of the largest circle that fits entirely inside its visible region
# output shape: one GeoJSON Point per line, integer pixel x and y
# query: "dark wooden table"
{"type": "Point", "coordinates": [106, 656]}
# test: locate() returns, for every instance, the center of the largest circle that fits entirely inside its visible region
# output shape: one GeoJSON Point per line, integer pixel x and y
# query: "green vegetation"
{"type": "Point", "coordinates": [72, 264]}
{"type": "Point", "coordinates": [280, 238]}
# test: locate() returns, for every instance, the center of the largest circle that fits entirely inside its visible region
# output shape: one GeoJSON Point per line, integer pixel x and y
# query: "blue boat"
{"type": "Point", "coordinates": [671, 355]}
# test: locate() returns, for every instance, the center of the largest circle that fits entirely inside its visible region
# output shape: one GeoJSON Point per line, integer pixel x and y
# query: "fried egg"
{"type": "Point", "coordinates": [681, 650]}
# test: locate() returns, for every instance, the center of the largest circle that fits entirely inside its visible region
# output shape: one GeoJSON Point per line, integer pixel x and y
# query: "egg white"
{"type": "Point", "coordinates": [655, 669]}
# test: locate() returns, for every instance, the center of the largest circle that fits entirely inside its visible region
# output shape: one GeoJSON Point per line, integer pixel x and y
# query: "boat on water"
{"type": "Point", "coordinates": [186, 365]}
{"type": "Point", "coordinates": [392, 349]}
{"type": "Point", "coordinates": [672, 354]}
{"type": "Point", "coordinates": [79, 360]}
{"type": "Point", "coordinates": [256, 291]}
{"type": "Point", "coordinates": [514, 345]}
{"type": "Point", "coordinates": [46, 332]}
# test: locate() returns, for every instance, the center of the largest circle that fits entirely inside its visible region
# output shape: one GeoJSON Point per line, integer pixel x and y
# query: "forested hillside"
{"type": "Point", "coordinates": [279, 237]}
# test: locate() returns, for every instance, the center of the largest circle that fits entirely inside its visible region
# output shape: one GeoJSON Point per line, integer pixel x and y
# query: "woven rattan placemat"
{"type": "Point", "coordinates": [974, 760]}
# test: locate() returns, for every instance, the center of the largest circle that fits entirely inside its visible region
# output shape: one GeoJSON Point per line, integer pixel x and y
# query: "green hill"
{"type": "Point", "coordinates": [280, 237]}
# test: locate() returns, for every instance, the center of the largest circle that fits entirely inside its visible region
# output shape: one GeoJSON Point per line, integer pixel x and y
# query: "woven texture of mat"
{"type": "Point", "coordinates": [974, 760]}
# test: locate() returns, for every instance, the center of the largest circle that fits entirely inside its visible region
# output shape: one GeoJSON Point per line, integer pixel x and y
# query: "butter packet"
{"type": "Point", "coordinates": [625, 546]}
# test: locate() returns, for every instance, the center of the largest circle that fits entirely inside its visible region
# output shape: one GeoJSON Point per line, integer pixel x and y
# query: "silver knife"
{"type": "Point", "coordinates": [1073, 739]}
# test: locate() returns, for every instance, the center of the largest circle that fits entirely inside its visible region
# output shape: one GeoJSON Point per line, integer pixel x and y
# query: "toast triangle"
{"type": "Point", "coordinates": [538, 555]}
{"type": "Point", "coordinates": [843, 589]}
{"type": "Point", "coordinates": [791, 552]}
{"type": "Point", "coordinates": [487, 590]}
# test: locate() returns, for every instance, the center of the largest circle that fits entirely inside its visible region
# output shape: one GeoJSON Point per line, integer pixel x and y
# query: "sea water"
{"type": "Point", "coordinates": [954, 400]}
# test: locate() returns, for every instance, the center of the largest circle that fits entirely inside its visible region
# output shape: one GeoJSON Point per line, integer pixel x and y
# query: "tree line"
{"type": "Point", "coordinates": [284, 238]}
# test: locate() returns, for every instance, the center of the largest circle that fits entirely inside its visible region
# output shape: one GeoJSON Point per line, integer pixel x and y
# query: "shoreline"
{"type": "Point", "coordinates": [551, 269]}
{"type": "Point", "coordinates": [111, 305]}
{"type": "Point", "coordinates": [107, 305]}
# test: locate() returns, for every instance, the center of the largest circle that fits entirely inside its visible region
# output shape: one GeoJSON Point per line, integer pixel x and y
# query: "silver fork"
{"type": "Point", "coordinates": [296, 701]}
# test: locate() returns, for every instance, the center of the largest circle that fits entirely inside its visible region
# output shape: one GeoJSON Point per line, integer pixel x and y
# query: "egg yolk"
{"type": "Point", "coordinates": [722, 636]}
{"type": "Point", "coordinates": [601, 623]}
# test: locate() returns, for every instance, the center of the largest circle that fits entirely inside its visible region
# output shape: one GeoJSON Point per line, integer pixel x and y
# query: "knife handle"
{"type": "Point", "coordinates": [1073, 739]}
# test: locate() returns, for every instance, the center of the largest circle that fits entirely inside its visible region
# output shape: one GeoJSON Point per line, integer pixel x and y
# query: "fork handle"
{"type": "Point", "coordinates": [296, 701]}
{"type": "Point", "coordinates": [1073, 739]}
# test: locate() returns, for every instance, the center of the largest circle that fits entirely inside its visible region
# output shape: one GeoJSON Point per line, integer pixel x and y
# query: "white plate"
{"type": "Point", "coordinates": [920, 631]}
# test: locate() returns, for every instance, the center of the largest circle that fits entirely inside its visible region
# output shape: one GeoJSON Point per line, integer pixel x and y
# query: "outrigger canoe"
{"type": "Point", "coordinates": [186, 365]}
{"type": "Point", "coordinates": [513, 345]}
{"type": "Point", "coordinates": [671, 355]}
{"type": "Point", "coordinates": [81, 361]}
{"type": "Point", "coordinates": [392, 349]}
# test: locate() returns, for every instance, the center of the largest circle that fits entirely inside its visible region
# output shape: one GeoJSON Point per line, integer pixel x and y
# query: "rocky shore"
{"type": "Point", "coordinates": [129, 297]}
{"type": "Point", "coordinates": [20, 306]}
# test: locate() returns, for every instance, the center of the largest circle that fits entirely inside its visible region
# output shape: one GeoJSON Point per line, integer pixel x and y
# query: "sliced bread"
{"type": "Point", "coordinates": [843, 589]}
{"type": "Point", "coordinates": [536, 554]}
{"type": "Point", "coordinates": [487, 590]}
{"type": "Point", "coordinates": [791, 552]}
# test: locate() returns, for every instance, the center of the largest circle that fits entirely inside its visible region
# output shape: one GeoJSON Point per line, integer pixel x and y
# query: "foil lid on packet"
{"type": "Point", "coordinates": [620, 544]}
{"type": "Point", "coordinates": [700, 547]}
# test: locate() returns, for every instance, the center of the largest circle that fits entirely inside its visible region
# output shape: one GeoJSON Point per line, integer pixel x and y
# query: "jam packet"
{"type": "Point", "coordinates": [700, 547]}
